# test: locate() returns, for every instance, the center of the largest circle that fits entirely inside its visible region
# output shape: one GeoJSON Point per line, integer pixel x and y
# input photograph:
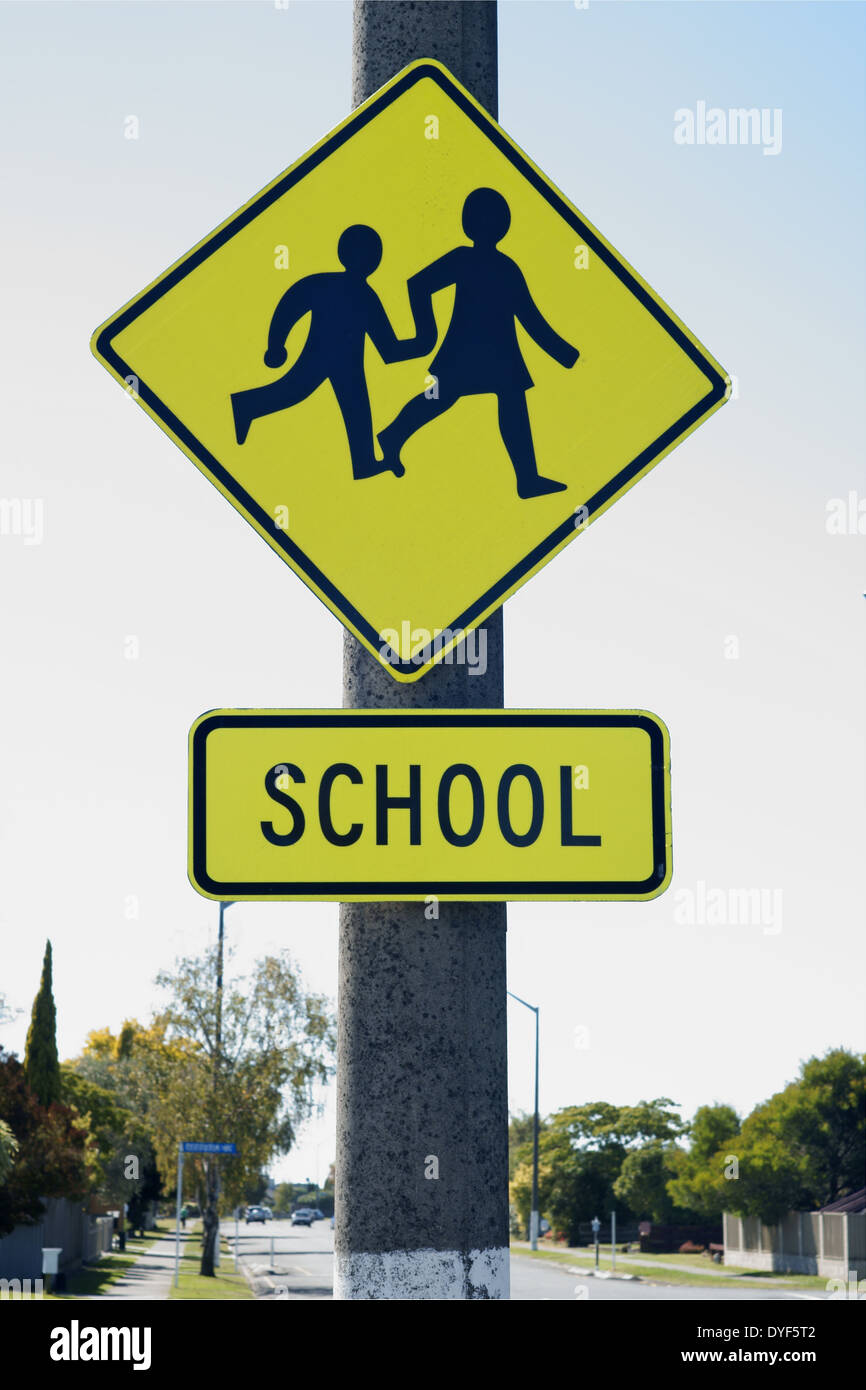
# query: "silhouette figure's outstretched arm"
{"type": "Point", "coordinates": [539, 329]}
{"type": "Point", "coordinates": [294, 304]}
{"type": "Point", "coordinates": [422, 288]}
{"type": "Point", "coordinates": [389, 347]}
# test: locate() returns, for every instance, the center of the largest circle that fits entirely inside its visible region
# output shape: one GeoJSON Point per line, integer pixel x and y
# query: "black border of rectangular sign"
{"type": "Point", "coordinates": [566, 530]}
{"type": "Point", "coordinates": [472, 889]}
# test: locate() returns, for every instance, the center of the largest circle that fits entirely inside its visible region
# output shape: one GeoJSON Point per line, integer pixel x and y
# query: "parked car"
{"type": "Point", "coordinates": [302, 1217]}
{"type": "Point", "coordinates": [318, 1215]}
{"type": "Point", "coordinates": [256, 1214]}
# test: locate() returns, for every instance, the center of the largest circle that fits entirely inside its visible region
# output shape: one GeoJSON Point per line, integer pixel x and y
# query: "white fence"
{"type": "Point", "coordinates": [98, 1236]}
{"type": "Point", "coordinates": [80, 1237]}
{"type": "Point", "coordinates": [829, 1243]}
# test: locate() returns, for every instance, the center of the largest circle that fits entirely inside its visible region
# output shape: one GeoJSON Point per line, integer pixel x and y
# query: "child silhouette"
{"type": "Point", "coordinates": [480, 354]}
{"type": "Point", "coordinates": [344, 311]}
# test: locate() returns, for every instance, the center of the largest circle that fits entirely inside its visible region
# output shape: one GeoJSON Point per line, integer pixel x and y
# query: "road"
{"type": "Point", "coordinates": [545, 1280]}
{"type": "Point", "coordinates": [303, 1260]}
{"type": "Point", "coordinates": [303, 1265]}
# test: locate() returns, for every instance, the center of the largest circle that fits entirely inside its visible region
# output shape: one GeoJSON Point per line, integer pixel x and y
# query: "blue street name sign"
{"type": "Point", "coordinates": [195, 1146]}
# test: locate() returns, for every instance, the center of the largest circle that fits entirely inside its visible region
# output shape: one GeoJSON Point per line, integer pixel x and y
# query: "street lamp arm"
{"type": "Point", "coordinates": [533, 1007]}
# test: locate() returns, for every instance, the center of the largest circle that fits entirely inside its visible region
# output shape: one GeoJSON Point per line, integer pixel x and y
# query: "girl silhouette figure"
{"type": "Point", "coordinates": [480, 354]}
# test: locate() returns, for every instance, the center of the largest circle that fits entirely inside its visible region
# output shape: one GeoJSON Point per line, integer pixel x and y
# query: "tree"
{"type": "Point", "coordinates": [800, 1149]}
{"type": "Point", "coordinates": [581, 1152]}
{"type": "Point", "coordinates": [254, 1193]}
{"type": "Point", "coordinates": [520, 1188]}
{"type": "Point", "coordinates": [8, 1150]}
{"type": "Point", "coordinates": [697, 1179]}
{"type": "Point", "coordinates": [520, 1128]}
{"type": "Point", "coordinates": [55, 1154]}
{"type": "Point", "coordinates": [520, 1134]}
{"type": "Point", "coordinates": [135, 1064]}
{"type": "Point", "coordinates": [284, 1196]}
{"type": "Point", "coordinates": [125, 1151]}
{"type": "Point", "coordinates": [806, 1145]}
{"type": "Point", "coordinates": [140, 1069]}
{"type": "Point", "coordinates": [251, 1083]}
{"type": "Point", "coordinates": [825, 1123]}
{"type": "Point", "coordinates": [40, 1054]}
{"type": "Point", "coordinates": [642, 1182]}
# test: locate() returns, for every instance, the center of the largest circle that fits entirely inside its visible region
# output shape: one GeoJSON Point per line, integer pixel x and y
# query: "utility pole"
{"type": "Point", "coordinates": [422, 1102]}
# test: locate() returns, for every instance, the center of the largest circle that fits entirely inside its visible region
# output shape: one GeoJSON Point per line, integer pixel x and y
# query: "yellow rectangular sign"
{"type": "Point", "coordinates": [412, 805]}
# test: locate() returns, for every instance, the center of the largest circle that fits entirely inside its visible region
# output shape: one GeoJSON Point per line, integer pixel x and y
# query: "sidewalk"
{"type": "Point", "coordinates": [152, 1274]}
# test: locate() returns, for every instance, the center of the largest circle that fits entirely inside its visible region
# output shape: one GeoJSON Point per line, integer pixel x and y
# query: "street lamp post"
{"type": "Point", "coordinates": [218, 1061]}
{"type": "Point", "coordinates": [219, 983]}
{"type": "Point", "coordinates": [533, 1216]}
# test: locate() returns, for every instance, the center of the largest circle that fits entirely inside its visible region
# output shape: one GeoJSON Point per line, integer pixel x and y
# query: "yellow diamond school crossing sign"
{"type": "Point", "coordinates": [408, 805]}
{"type": "Point", "coordinates": [414, 367]}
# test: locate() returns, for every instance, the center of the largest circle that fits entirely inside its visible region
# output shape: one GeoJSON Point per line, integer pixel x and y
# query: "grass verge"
{"type": "Point", "coordinates": [660, 1272]}
{"type": "Point", "coordinates": [226, 1283]}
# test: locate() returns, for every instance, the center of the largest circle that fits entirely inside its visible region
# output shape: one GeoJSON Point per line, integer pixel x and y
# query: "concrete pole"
{"type": "Point", "coordinates": [422, 1108]}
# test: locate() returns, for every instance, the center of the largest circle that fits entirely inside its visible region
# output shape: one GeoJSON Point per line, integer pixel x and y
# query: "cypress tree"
{"type": "Point", "coordinates": [41, 1065]}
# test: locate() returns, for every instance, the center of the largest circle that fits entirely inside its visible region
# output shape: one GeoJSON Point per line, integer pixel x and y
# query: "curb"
{"type": "Point", "coordinates": [603, 1274]}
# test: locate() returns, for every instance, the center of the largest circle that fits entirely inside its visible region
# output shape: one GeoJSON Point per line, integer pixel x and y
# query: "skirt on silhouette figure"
{"type": "Point", "coordinates": [463, 371]}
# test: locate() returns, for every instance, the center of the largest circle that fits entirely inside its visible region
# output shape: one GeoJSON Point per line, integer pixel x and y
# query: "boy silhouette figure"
{"type": "Point", "coordinates": [344, 312]}
{"type": "Point", "coordinates": [480, 354]}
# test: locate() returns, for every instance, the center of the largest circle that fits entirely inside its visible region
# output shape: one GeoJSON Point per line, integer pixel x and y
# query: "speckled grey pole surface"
{"type": "Point", "coordinates": [421, 1054]}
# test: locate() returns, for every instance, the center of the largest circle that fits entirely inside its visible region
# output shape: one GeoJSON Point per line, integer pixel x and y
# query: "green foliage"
{"type": "Point", "coordinates": [519, 1137]}
{"type": "Point", "coordinates": [8, 1150]}
{"type": "Point", "coordinates": [642, 1182]}
{"type": "Point", "coordinates": [806, 1145]}
{"type": "Point", "coordinates": [40, 1055]}
{"type": "Point", "coordinates": [254, 1194]}
{"type": "Point", "coordinates": [825, 1123]}
{"type": "Point", "coordinates": [55, 1154]}
{"type": "Point", "coordinates": [291, 1195]}
{"type": "Point", "coordinates": [125, 1151]}
{"type": "Point", "coordinates": [697, 1180]}
{"type": "Point", "coordinates": [257, 1087]}
{"type": "Point", "coordinates": [284, 1196]}
{"type": "Point", "coordinates": [799, 1150]}
{"type": "Point", "coordinates": [581, 1152]}
{"type": "Point", "coordinates": [252, 1085]}
{"type": "Point", "coordinates": [713, 1128]}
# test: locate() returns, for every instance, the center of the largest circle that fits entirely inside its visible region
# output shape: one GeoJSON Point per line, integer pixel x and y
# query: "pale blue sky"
{"type": "Point", "coordinates": [762, 258]}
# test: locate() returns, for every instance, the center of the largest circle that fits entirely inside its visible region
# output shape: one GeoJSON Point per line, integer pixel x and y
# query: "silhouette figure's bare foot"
{"type": "Point", "coordinates": [540, 487]}
{"type": "Point", "coordinates": [391, 457]}
{"type": "Point", "coordinates": [242, 422]}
